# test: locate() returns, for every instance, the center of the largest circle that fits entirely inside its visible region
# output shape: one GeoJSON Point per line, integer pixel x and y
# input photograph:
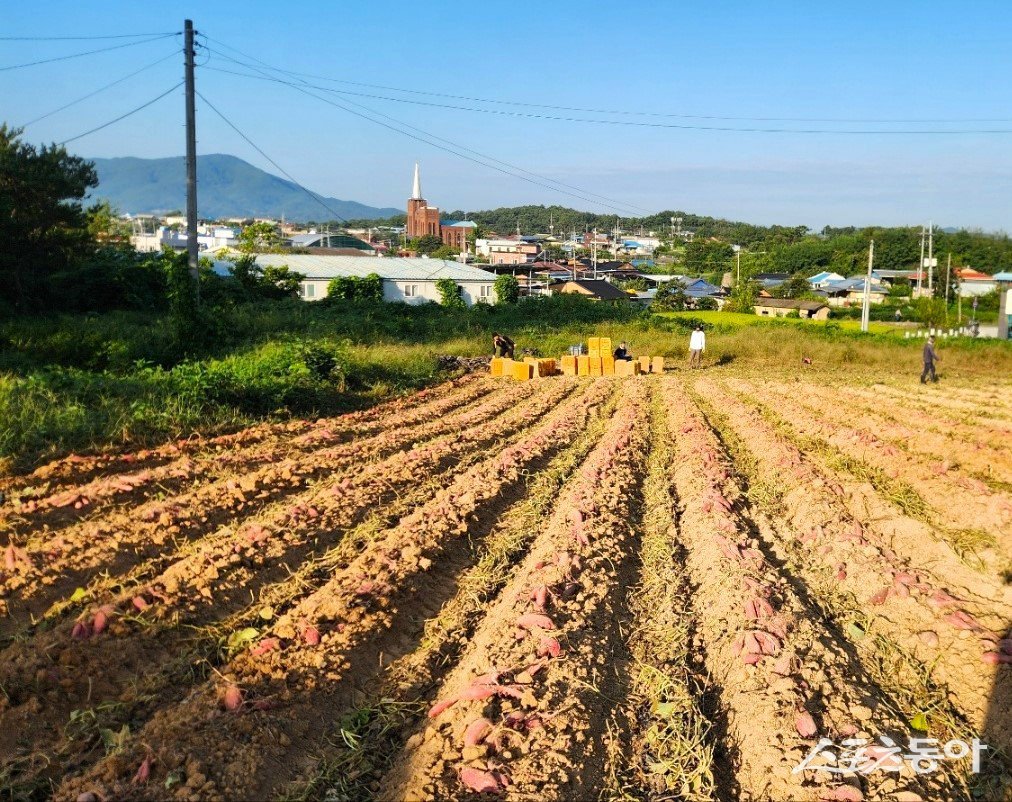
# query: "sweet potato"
{"type": "Point", "coordinates": [140, 603]}
{"type": "Point", "coordinates": [481, 782]}
{"type": "Point", "coordinates": [143, 771]}
{"type": "Point", "coordinates": [549, 647]}
{"type": "Point", "coordinates": [440, 706]}
{"type": "Point", "coordinates": [232, 698]}
{"type": "Point", "coordinates": [311, 636]}
{"type": "Point", "coordinates": [805, 724]}
{"type": "Point", "coordinates": [532, 620]}
{"type": "Point", "coordinates": [477, 731]}
{"type": "Point", "coordinates": [99, 622]}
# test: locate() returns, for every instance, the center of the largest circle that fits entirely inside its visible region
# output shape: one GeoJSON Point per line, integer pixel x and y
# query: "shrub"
{"type": "Point", "coordinates": [449, 293]}
{"type": "Point", "coordinates": [507, 290]}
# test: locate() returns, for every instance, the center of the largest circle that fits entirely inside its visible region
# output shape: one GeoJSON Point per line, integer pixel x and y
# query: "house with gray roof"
{"type": "Point", "coordinates": [410, 280]}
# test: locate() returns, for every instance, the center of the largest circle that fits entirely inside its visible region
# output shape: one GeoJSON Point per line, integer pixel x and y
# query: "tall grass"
{"type": "Point", "coordinates": [76, 382]}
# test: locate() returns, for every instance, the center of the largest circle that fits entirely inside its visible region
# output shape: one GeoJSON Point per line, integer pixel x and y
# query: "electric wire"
{"type": "Point", "coordinates": [123, 116]}
{"type": "Point", "coordinates": [674, 126]}
{"type": "Point", "coordinates": [260, 150]}
{"type": "Point", "coordinates": [83, 38]}
{"type": "Point", "coordinates": [100, 89]}
{"type": "Point", "coordinates": [435, 144]}
{"type": "Point", "coordinates": [626, 112]}
{"type": "Point", "coordinates": [625, 209]}
{"type": "Point", "coordinates": [86, 53]}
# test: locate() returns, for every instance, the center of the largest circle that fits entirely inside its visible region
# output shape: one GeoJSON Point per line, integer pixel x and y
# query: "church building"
{"type": "Point", "coordinates": [423, 220]}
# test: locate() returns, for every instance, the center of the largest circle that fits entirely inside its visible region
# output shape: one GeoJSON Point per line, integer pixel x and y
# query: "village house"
{"type": "Point", "coordinates": [411, 280]}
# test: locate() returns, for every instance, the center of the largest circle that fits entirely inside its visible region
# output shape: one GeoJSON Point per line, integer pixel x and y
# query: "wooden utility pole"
{"type": "Point", "coordinates": [931, 263]}
{"type": "Point", "coordinates": [866, 304]}
{"type": "Point", "coordinates": [191, 162]}
{"type": "Point", "coordinates": [948, 274]}
{"type": "Point", "coordinates": [920, 266]}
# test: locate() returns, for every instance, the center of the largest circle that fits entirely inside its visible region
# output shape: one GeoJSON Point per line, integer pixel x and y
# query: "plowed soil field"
{"type": "Point", "coordinates": [665, 587]}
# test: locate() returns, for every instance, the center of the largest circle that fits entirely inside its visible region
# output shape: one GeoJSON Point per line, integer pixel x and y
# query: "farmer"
{"type": "Point", "coordinates": [930, 358]}
{"type": "Point", "coordinates": [697, 344]}
{"type": "Point", "coordinates": [622, 352]}
{"type": "Point", "coordinates": [502, 345]}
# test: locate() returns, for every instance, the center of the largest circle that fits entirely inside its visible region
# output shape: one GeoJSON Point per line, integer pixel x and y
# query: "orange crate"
{"type": "Point", "coordinates": [596, 366]}
{"type": "Point", "coordinates": [583, 366]}
{"type": "Point", "coordinates": [495, 367]}
{"type": "Point", "coordinates": [608, 365]}
{"type": "Point", "coordinates": [644, 363]}
{"type": "Point", "coordinates": [657, 364]}
{"type": "Point", "coordinates": [522, 371]}
{"type": "Point", "coordinates": [569, 365]}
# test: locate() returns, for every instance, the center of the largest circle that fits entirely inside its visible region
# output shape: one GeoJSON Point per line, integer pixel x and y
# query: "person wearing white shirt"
{"type": "Point", "coordinates": [697, 344]}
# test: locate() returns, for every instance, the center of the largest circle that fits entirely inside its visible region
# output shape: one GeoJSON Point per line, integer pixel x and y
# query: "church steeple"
{"type": "Point", "coordinates": [416, 190]}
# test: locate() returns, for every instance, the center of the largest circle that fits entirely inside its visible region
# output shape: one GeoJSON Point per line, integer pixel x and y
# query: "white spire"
{"type": "Point", "coordinates": [416, 190]}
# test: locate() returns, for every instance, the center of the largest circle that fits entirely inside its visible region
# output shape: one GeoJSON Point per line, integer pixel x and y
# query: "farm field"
{"type": "Point", "coordinates": [661, 587]}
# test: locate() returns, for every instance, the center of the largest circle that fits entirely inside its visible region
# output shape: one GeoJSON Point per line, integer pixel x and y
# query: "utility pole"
{"type": "Point", "coordinates": [191, 162]}
{"type": "Point", "coordinates": [866, 305]}
{"type": "Point", "coordinates": [948, 274]}
{"type": "Point", "coordinates": [920, 265]}
{"type": "Point", "coordinates": [594, 253]}
{"type": "Point", "coordinates": [931, 264]}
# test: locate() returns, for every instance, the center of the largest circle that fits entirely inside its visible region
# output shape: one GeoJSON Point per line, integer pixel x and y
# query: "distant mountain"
{"type": "Point", "coordinates": [226, 187]}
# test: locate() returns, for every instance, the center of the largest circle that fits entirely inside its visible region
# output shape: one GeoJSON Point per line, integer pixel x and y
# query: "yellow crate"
{"type": "Point", "coordinates": [657, 364]}
{"type": "Point", "coordinates": [644, 363]}
{"type": "Point", "coordinates": [495, 367]}
{"type": "Point", "coordinates": [522, 371]}
{"type": "Point", "coordinates": [569, 365]}
{"type": "Point", "coordinates": [583, 366]}
{"type": "Point", "coordinates": [604, 343]}
{"type": "Point", "coordinates": [623, 367]}
{"type": "Point", "coordinates": [507, 367]}
{"type": "Point", "coordinates": [595, 366]}
{"type": "Point", "coordinates": [608, 365]}
{"type": "Point", "coordinates": [593, 343]}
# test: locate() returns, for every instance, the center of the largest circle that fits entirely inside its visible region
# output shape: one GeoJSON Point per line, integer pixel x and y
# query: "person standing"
{"type": "Point", "coordinates": [930, 358]}
{"type": "Point", "coordinates": [697, 344]}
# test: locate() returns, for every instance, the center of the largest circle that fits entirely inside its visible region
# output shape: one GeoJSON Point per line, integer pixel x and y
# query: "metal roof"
{"type": "Point", "coordinates": [392, 268]}
{"type": "Point", "coordinates": [1003, 276]}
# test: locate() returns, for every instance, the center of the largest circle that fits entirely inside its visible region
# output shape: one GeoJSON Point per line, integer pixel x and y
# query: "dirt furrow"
{"type": "Point", "coordinates": [672, 745]}
{"type": "Point", "coordinates": [52, 567]}
{"type": "Point", "coordinates": [523, 712]}
{"type": "Point", "coordinates": [39, 515]}
{"type": "Point", "coordinates": [782, 678]}
{"type": "Point", "coordinates": [217, 578]}
{"type": "Point", "coordinates": [381, 720]}
{"type": "Point", "coordinates": [938, 452]}
{"type": "Point", "coordinates": [904, 602]}
{"type": "Point", "coordinates": [76, 469]}
{"type": "Point", "coordinates": [326, 641]}
{"type": "Point", "coordinates": [933, 402]}
{"type": "Point", "coordinates": [978, 507]}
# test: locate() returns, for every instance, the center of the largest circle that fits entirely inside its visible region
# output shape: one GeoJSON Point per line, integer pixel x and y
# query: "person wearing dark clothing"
{"type": "Point", "coordinates": [930, 358]}
{"type": "Point", "coordinates": [622, 352]}
{"type": "Point", "coordinates": [502, 345]}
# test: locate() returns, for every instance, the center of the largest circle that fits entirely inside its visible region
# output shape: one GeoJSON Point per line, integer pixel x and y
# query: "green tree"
{"type": "Point", "coordinates": [449, 293]}
{"type": "Point", "coordinates": [743, 297]}
{"type": "Point", "coordinates": [259, 238]}
{"type": "Point", "coordinates": [670, 297]}
{"type": "Point", "coordinates": [43, 228]}
{"type": "Point", "coordinates": [707, 304]}
{"type": "Point", "coordinates": [106, 228]}
{"type": "Point", "coordinates": [353, 288]}
{"type": "Point", "coordinates": [445, 252]}
{"type": "Point", "coordinates": [426, 244]}
{"type": "Point", "coordinates": [796, 286]}
{"type": "Point", "coordinates": [507, 290]}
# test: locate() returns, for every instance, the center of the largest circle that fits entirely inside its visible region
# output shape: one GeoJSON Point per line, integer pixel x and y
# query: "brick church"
{"type": "Point", "coordinates": [423, 220]}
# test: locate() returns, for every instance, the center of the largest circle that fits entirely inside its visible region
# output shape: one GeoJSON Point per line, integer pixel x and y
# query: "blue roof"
{"type": "Point", "coordinates": [461, 224]}
{"type": "Point", "coordinates": [1003, 276]}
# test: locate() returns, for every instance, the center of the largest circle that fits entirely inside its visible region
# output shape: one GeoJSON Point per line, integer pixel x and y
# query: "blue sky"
{"type": "Point", "coordinates": [857, 60]}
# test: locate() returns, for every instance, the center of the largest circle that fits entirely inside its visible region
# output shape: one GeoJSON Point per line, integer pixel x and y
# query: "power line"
{"type": "Point", "coordinates": [82, 38]}
{"type": "Point", "coordinates": [86, 53]}
{"type": "Point", "coordinates": [638, 124]}
{"type": "Point", "coordinates": [627, 209]}
{"type": "Point", "coordinates": [259, 150]}
{"type": "Point", "coordinates": [626, 112]}
{"type": "Point", "coordinates": [100, 89]}
{"type": "Point", "coordinates": [123, 116]}
{"type": "Point", "coordinates": [630, 210]}
{"type": "Point", "coordinates": [617, 206]}
{"type": "Point", "coordinates": [434, 144]}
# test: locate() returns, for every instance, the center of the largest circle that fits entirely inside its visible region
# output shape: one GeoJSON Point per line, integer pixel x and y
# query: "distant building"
{"type": "Point", "coordinates": [407, 279]}
{"type": "Point", "coordinates": [209, 238]}
{"type": "Point", "coordinates": [850, 291]}
{"type": "Point", "coordinates": [595, 290]}
{"type": "Point", "coordinates": [819, 280]}
{"type": "Point", "coordinates": [423, 220]}
{"type": "Point", "coordinates": [506, 251]}
{"type": "Point", "coordinates": [973, 282]}
{"type": "Point", "coordinates": [325, 239]}
{"type": "Point", "coordinates": [782, 307]}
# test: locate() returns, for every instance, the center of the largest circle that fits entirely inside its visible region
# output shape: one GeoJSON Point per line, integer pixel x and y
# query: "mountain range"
{"type": "Point", "coordinates": [226, 187]}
